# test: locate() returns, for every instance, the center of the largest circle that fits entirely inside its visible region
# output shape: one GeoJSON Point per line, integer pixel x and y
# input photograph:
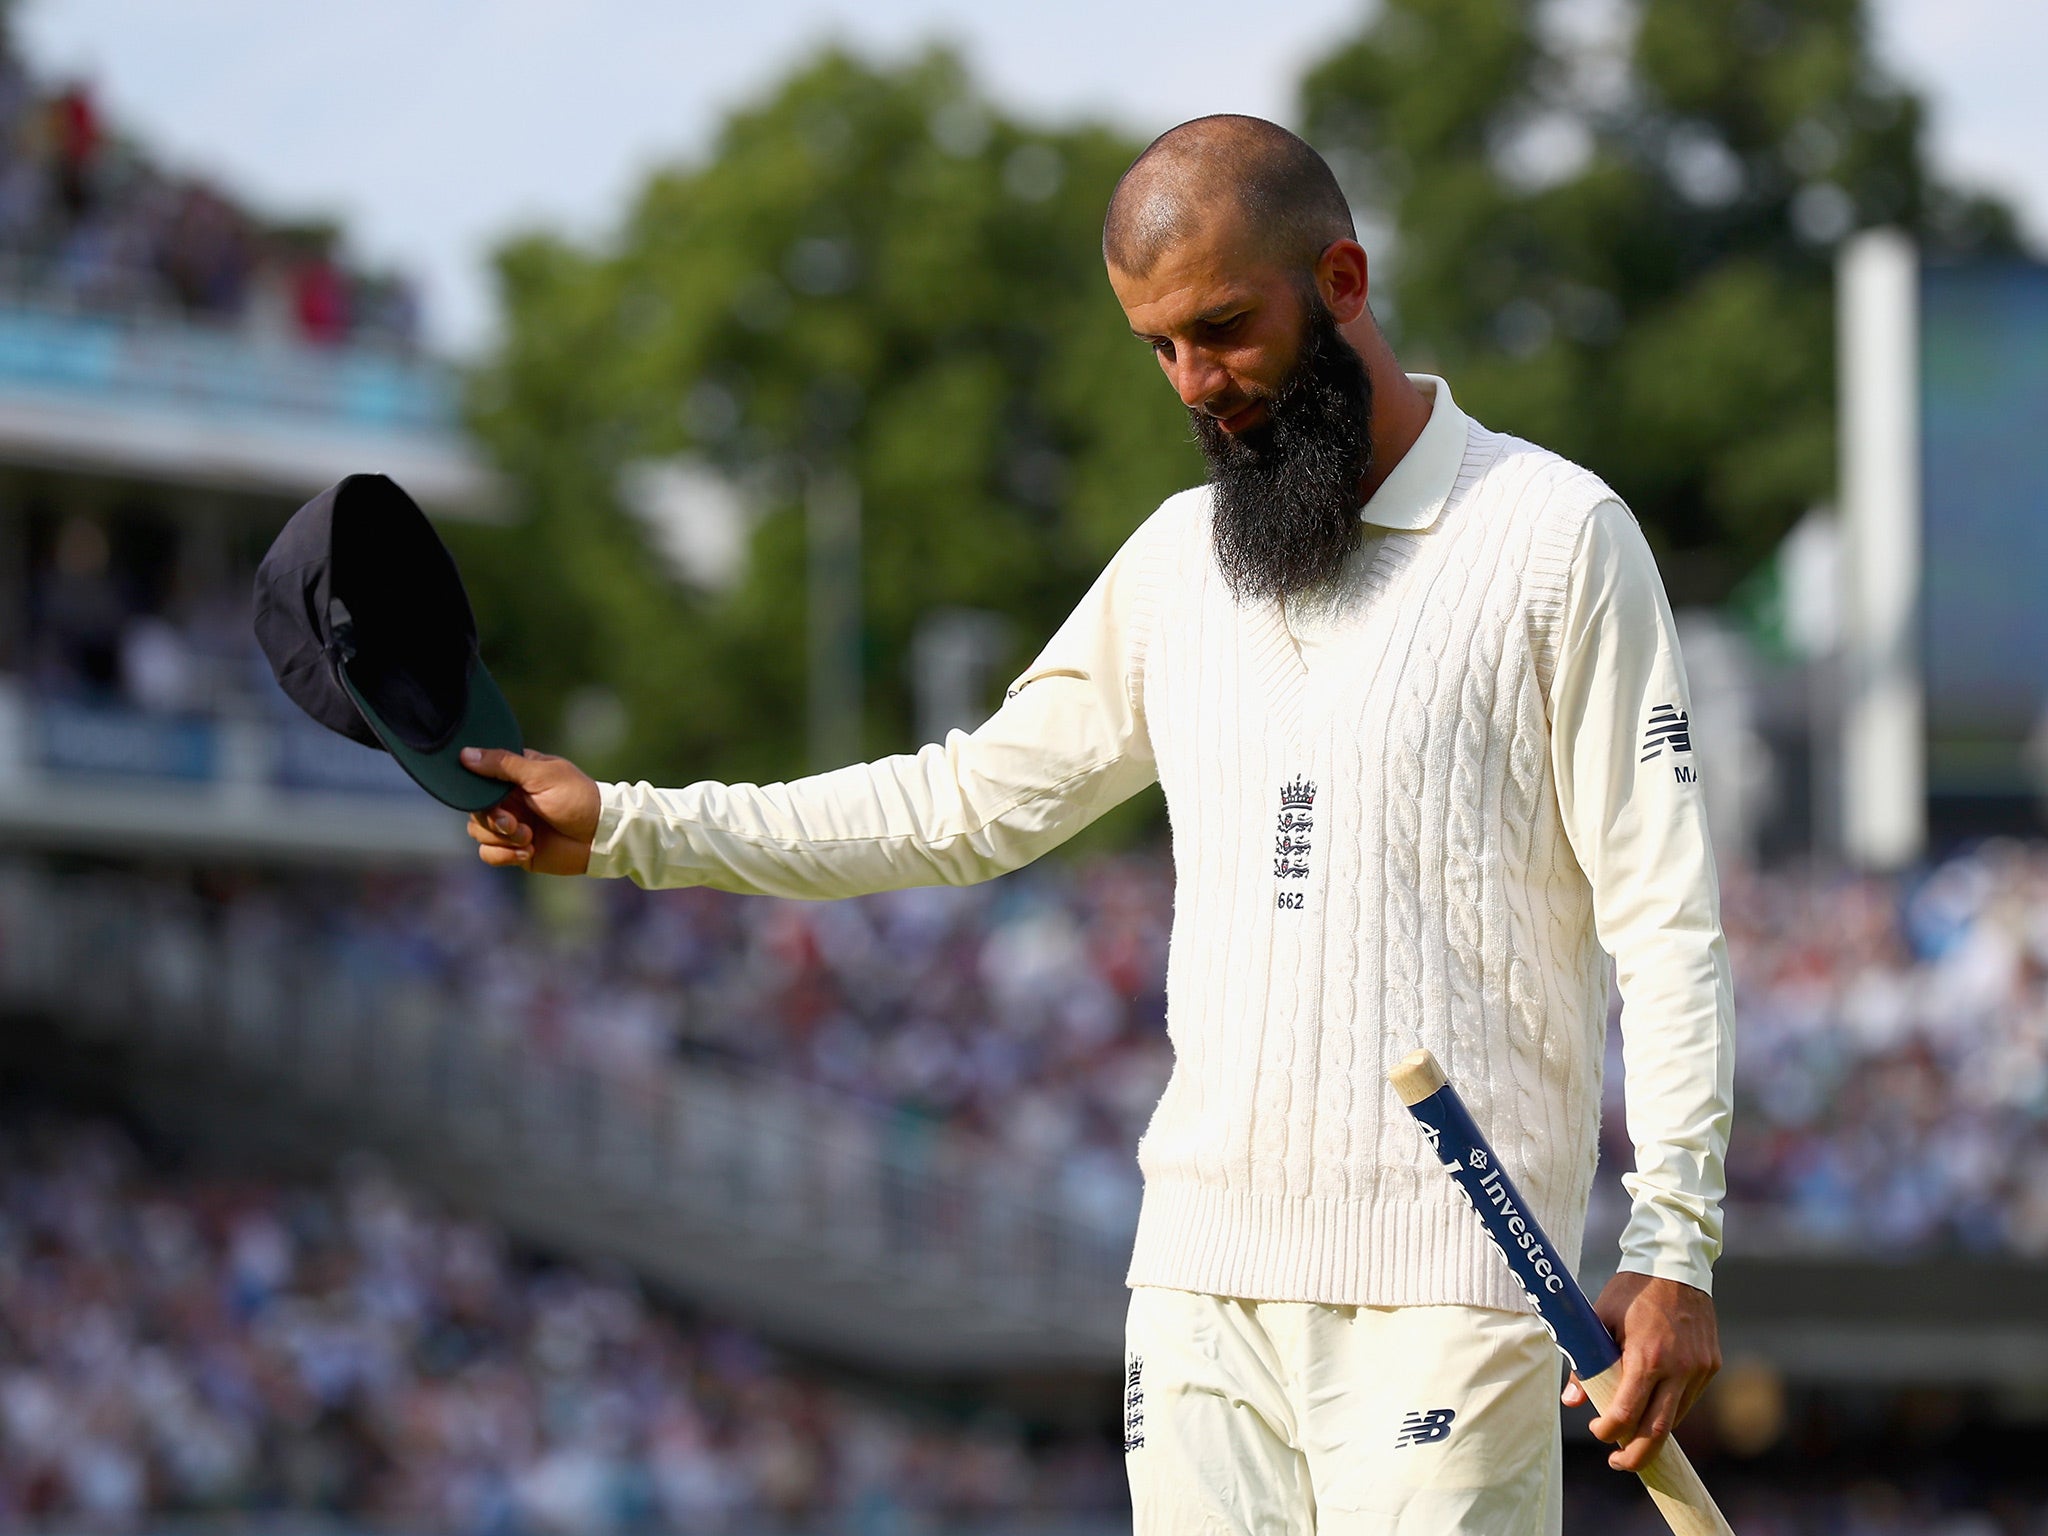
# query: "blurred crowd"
{"type": "Point", "coordinates": [1917, 1495]}
{"type": "Point", "coordinates": [1892, 1070]}
{"type": "Point", "coordinates": [1027, 1013]}
{"type": "Point", "coordinates": [1892, 1078]}
{"type": "Point", "coordinates": [179, 1342]}
{"type": "Point", "coordinates": [190, 1343]}
{"type": "Point", "coordinates": [1893, 1061]}
{"type": "Point", "coordinates": [103, 629]}
{"type": "Point", "coordinates": [88, 220]}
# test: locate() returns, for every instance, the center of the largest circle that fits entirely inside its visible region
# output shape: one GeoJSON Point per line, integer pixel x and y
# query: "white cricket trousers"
{"type": "Point", "coordinates": [1280, 1418]}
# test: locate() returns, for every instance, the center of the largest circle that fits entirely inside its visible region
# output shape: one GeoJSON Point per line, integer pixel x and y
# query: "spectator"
{"type": "Point", "coordinates": [158, 670]}
{"type": "Point", "coordinates": [320, 297]}
{"type": "Point", "coordinates": [80, 615]}
{"type": "Point", "coordinates": [87, 219]}
{"type": "Point", "coordinates": [204, 253]}
{"type": "Point", "coordinates": [75, 143]}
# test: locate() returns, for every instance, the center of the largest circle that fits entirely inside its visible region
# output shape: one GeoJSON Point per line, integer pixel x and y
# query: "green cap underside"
{"type": "Point", "coordinates": [486, 722]}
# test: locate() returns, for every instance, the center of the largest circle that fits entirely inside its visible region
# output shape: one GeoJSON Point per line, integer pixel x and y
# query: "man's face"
{"type": "Point", "coordinates": [1280, 402]}
{"type": "Point", "coordinates": [1225, 324]}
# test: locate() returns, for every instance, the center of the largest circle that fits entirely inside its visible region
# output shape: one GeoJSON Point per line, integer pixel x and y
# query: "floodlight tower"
{"type": "Point", "coordinates": [1883, 719]}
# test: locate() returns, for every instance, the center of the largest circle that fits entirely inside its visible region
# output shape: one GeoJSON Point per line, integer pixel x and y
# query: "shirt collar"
{"type": "Point", "coordinates": [1413, 496]}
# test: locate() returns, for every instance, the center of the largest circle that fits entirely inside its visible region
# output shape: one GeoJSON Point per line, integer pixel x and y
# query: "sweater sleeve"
{"type": "Point", "coordinates": [1068, 743]}
{"type": "Point", "coordinates": [1628, 789]}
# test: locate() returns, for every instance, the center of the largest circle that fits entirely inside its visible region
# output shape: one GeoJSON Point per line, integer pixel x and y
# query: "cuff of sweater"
{"type": "Point", "coordinates": [1669, 1245]}
{"type": "Point", "coordinates": [608, 858]}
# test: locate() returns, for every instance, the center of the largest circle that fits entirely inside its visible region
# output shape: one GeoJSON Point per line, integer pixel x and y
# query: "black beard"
{"type": "Point", "coordinates": [1285, 493]}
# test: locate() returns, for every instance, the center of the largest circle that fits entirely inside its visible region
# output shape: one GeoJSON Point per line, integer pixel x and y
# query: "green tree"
{"type": "Point", "coordinates": [871, 269]}
{"type": "Point", "coordinates": [1620, 245]}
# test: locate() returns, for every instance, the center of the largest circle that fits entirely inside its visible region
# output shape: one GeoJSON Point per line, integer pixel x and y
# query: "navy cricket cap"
{"type": "Point", "coordinates": [362, 613]}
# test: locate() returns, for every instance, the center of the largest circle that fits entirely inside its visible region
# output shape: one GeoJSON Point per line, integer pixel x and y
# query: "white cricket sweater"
{"type": "Point", "coordinates": [1409, 811]}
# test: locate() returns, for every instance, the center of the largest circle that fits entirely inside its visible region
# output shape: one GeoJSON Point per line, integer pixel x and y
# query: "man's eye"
{"type": "Point", "coordinates": [1164, 348]}
{"type": "Point", "coordinates": [1225, 327]}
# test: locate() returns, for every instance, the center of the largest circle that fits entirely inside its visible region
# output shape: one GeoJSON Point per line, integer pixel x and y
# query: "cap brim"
{"type": "Point", "coordinates": [486, 722]}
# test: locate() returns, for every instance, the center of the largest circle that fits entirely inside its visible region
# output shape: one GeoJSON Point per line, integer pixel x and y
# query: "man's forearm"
{"type": "Point", "coordinates": [1068, 743]}
{"type": "Point", "coordinates": [961, 811]}
{"type": "Point", "coordinates": [1677, 1042]}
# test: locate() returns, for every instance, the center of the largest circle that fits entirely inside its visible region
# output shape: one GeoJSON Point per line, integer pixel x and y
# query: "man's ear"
{"type": "Point", "coordinates": [1341, 279]}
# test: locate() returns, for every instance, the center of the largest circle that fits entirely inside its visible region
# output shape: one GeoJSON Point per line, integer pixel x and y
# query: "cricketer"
{"type": "Point", "coordinates": [1412, 690]}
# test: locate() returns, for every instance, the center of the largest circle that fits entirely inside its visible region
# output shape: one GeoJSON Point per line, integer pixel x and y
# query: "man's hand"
{"type": "Point", "coordinates": [548, 821]}
{"type": "Point", "coordinates": [1670, 1349]}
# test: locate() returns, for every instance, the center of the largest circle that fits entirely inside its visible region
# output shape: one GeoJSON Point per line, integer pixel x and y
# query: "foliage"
{"type": "Point", "coordinates": [1621, 245]}
{"type": "Point", "coordinates": [1618, 245]}
{"type": "Point", "coordinates": [870, 270]}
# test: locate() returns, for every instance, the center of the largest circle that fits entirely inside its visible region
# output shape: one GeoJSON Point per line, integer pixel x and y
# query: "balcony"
{"type": "Point", "coordinates": [111, 778]}
{"type": "Point", "coordinates": [168, 401]}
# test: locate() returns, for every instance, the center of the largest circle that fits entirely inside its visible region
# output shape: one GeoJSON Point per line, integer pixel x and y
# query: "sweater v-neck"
{"type": "Point", "coordinates": [1410, 499]}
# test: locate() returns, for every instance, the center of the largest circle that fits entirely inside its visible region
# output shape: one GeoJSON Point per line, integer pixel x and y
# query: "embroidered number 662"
{"type": "Point", "coordinates": [1288, 901]}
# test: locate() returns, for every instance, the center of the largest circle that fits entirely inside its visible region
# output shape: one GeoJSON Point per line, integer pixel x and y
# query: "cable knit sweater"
{"type": "Point", "coordinates": [1407, 810]}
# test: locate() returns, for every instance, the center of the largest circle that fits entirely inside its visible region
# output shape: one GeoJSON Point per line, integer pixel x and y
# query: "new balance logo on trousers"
{"type": "Point", "coordinates": [1426, 1427]}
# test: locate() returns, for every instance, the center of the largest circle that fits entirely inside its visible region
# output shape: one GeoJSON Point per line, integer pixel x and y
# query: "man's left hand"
{"type": "Point", "coordinates": [1670, 1349]}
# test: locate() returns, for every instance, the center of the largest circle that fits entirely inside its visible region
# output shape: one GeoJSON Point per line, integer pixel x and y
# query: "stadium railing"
{"type": "Point", "coordinates": [824, 1221]}
{"type": "Point", "coordinates": [158, 361]}
{"type": "Point", "coordinates": [105, 775]}
{"type": "Point", "coordinates": [165, 400]}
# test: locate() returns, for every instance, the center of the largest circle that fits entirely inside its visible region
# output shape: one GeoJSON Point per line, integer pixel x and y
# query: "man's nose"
{"type": "Point", "coordinates": [1198, 379]}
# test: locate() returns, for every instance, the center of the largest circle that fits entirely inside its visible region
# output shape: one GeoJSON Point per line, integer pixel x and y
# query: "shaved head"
{"type": "Point", "coordinates": [1278, 191]}
{"type": "Point", "coordinates": [1231, 250]}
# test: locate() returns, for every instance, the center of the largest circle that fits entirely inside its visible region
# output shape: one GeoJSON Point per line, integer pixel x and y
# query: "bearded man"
{"type": "Point", "coordinates": [1412, 690]}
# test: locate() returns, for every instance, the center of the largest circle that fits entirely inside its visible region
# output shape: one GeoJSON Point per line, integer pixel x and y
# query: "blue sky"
{"type": "Point", "coordinates": [432, 126]}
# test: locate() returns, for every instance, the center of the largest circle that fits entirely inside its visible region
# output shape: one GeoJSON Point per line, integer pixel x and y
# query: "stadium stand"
{"type": "Point", "coordinates": [1914, 1451]}
{"type": "Point", "coordinates": [910, 1059]}
{"type": "Point", "coordinates": [1894, 1057]}
{"type": "Point", "coordinates": [799, 1208]}
{"type": "Point", "coordinates": [88, 219]}
{"type": "Point", "coordinates": [200, 1342]}
{"type": "Point", "coordinates": [1894, 1032]}
{"type": "Point", "coordinates": [176, 374]}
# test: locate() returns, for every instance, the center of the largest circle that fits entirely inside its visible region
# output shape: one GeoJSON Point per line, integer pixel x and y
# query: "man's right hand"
{"type": "Point", "coordinates": [546, 824]}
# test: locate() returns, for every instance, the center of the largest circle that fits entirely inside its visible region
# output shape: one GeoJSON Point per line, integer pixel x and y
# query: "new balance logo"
{"type": "Point", "coordinates": [1669, 727]}
{"type": "Point", "coordinates": [1425, 1428]}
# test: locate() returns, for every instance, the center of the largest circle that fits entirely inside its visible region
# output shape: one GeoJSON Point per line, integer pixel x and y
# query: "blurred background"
{"type": "Point", "coordinates": [761, 372]}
